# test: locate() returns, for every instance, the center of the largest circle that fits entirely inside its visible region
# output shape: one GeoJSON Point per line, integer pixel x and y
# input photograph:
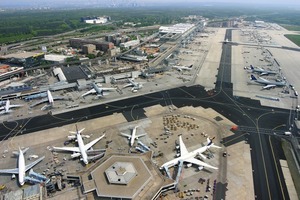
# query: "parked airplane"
{"type": "Point", "coordinates": [268, 84]}
{"type": "Point", "coordinates": [180, 68]}
{"type": "Point", "coordinates": [133, 135]}
{"type": "Point", "coordinates": [189, 157]}
{"type": "Point", "coordinates": [6, 108]}
{"type": "Point", "coordinates": [135, 86]}
{"type": "Point", "coordinates": [82, 149]}
{"type": "Point", "coordinates": [22, 168]}
{"type": "Point", "coordinates": [261, 71]}
{"type": "Point", "coordinates": [49, 99]}
{"type": "Point", "coordinates": [97, 90]}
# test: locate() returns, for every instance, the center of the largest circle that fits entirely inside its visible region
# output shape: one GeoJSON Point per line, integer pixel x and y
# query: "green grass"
{"type": "Point", "coordinates": [294, 38]}
{"type": "Point", "coordinates": [292, 166]}
{"type": "Point", "coordinates": [291, 27]}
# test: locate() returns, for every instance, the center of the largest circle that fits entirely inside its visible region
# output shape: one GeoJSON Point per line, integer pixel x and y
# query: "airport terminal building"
{"type": "Point", "coordinates": [125, 176]}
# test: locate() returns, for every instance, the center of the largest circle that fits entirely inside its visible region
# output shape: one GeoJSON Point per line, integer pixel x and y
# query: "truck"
{"type": "Point", "coordinates": [287, 133]}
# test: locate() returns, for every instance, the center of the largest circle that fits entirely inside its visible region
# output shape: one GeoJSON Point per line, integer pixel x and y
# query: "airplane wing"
{"type": "Point", "coordinates": [128, 85]}
{"type": "Point", "coordinates": [269, 86]}
{"type": "Point", "coordinates": [126, 135]}
{"type": "Point", "coordinates": [264, 80]}
{"type": "Point", "coordinates": [44, 100]}
{"type": "Point", "coordinates": [264, 73]}
{"type": "Point", "coordinates": [92, 91]}
{"type": "Point", "coordinates": [59, 98]}
{"type": "Point", "coordinates": [259, 68]}
{"type": "Point", "coordinates": [73, 149]}
{"type": "Point", "coordinates": [9, 171]}
{"type": "Point", "coordinates": [183, 150]}
{"type": "Point", "coordinates": [15, 106]}
{"type": "Point", "coordinates": [31, 165]}
{"type": "Point", "coordinates": [108, 89]}
{"type": "Point", "coordinates": [89, 145]}
{"type": "Point", "coordinates": [96, 156]}
{"type": "Point", "coordinates": [140, 135]}
{"type": "Point", "coordinates": [199, 163]}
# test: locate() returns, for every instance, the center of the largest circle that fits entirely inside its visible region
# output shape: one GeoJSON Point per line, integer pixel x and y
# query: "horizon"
{"type": "Point", "coordinates": [143, 3]}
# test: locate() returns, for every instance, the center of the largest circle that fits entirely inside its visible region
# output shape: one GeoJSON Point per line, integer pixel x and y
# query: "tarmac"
{"type": "Point", "coordinates": [112, 125]}
{"type": "Point", "coordinates": [238, 174]}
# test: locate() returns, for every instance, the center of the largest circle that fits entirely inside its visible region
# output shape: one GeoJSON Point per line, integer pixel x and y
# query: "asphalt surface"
{"type": "Point", "coordinates": [268, 178]}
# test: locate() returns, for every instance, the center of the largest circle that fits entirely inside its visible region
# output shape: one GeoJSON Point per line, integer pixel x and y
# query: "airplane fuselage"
{"type": "Point", "coordinates": [271, 83]}
{"type": "Point", "coordinates": [50, 97]}
{"type": "Point", "coordinates": [21, 168]}
{"type": "Point", "coordinates": [98, 90]}
{"type": "Point", "coordinates": [132, 137]}
{"type": "Point", "coordinates": [82, 150]}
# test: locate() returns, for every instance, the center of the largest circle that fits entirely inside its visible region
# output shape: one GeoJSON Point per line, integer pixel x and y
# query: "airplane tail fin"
{"type": "Point", "coordinates": [78, 131]}
{"type": "Point", "coordinates": [211, 144]}
{"type": "Point", "coordinates": [251, 67]}
{"type": "Point", "coordinates": [253, 78]}
{"type": "Point", "coordinates": [17, 153]}
{"type": "Point", "coordinates": [25, 150]}
{"type": "Point", "coordinates": [209, 141]}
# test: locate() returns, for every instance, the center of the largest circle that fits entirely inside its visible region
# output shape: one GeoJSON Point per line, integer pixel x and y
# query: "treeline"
{"type": "Point", "coordinates": [21, 25]}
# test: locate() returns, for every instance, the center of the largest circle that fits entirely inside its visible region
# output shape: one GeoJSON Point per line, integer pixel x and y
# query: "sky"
{"type": "Point", "coordinates": [28, 3]}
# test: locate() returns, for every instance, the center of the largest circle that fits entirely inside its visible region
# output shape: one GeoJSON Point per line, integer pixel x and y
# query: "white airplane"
{"type": "Point", "coordinates": [189, 157]}
{"type": "Point", "coordinates": [82, 149]}
{"type": "Point", "coordinates": [181, 68]}
{"type": "Point", "coordinates": [133, 135]}
{"type": "Point", "coordinates": [135, 86]}
{"type": "Point", "coordinates": [22, 168]}
{"type": "Point", "coordinates": [97, 90]}
{"type": "Point", "coordinates": [261, 71]}
{"type": "Point", "coordinates": [6, 108]}
{"type": "Point", "coordinates": [268, 84]}
{"type": "Point", "coordinates": [49, 99]}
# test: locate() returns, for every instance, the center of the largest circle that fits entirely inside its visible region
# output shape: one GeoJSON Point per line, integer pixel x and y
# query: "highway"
{"type": "Point", "coordinates": [266, 150]}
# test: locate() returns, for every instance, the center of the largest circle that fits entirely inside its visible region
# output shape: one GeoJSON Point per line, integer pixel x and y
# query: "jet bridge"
{"type": "Point", "coordinates": [178, 173]}
{"type": "Point", "coordinates": [168, 172]}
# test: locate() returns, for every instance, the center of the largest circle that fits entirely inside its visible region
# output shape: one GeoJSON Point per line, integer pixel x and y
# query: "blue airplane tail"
{"type": "Point", "coordinates": [251, 67]}
{"type": "Point", "coordinates": [253, 77]}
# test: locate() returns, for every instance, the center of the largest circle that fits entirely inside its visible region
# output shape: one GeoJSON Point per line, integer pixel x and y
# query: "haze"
{"type": "Point", "coordinates": [112, 3]}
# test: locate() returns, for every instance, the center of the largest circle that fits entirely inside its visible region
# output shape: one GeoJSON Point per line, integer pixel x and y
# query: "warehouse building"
{"type": "Point", "coordinates": [100, 45]}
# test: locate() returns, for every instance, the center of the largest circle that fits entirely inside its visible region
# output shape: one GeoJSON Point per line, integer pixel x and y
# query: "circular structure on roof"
{"type": "Point", "coordinates": [120, 173]}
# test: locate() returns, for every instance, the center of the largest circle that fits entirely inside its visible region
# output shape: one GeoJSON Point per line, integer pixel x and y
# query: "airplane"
{"type": "Point", "coordinates": [189, 157]}
{"type": "Point", "coordinates": [49, 99]}
{"type": "Point", "coordinates": [133, 135]}
{"type": "Point", "coordinates": [268, 84]}
{"type": "Point", "coordinates": [261, 71]}
{"type": "Point", "coordinates": [6, 108]}
{"type": "Point", "coordinates": [181, 68]}
{"type": "Point", "coordinates": [82, 149]}
{"type": "Point", "coordinates": [135, 86]}
{"type": "Point", "coordinates": [22, 168]}
{"type": "Point", "coordinates": [98, 90]}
